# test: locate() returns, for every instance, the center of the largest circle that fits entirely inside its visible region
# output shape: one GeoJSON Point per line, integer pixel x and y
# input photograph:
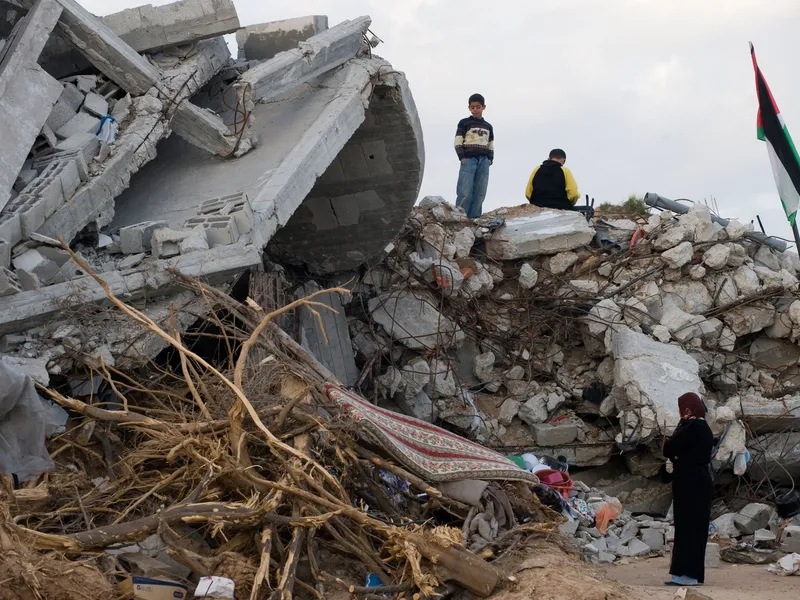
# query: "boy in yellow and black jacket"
{"type": "Point", "coordinates": [551, 185]}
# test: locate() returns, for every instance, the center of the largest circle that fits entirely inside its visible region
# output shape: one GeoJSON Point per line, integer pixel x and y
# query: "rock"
{"type": "Point", "coordinates": [751, 318]}
{"type": "Point", "coordinates": [683, 326]}
{"type": "Point", "coordinates": [726, 526]}
{"type": "Point", "coordinates": [654, 538]}
{"type": "Point", "coordinates": [515, 373]}
{"type": "Point", "coordinates": [671, 238]}
{"type": "Point", "coordinates": [586, 287]}
{"type": "Point", "coordinates": [508, 410]}
{"type": "Point", "coordinates": [697, 272]}
{"type": "Point", "coordinates": [539, 232]}
{"type": "Point", "coordinates": [415, 376]}
{"type": "Point", "coordinates": [726, 291]}
{"type": "Point", "coordinates": [413, 321]}
{"type": "Point", "coordinates": [661, 333]}
{"type": "Point", "coordinates": [629, 531]}
{"type": "Point", "coordinates": [484, 367]}
{"type": "Point", "coordinates": [422, 408]}
{"type": "Point", "coordinates": [527, 276]}
{"type": "Point", "coordinates": [648, 378]}
{"type": "Point", "coordinates": [712, 560]}
{"type": "Point", "coordinates": [442, 382]}
{"type": "Point", "coordinates": [727, 340]}
{"type": "Point", "coordinates": [738, 256]}
{"type": "Point", "coordinates": [679, 255]}
{"type": "Point", "coordinates": [559, 263]}
{"type": "Point", "coordinates": [431, 201]}
{"type": "Point", "coordinates": [746, 281]}
{"type": "Point", "coordinates": [767, 258]}
{"type": "Point", "coordinates": [752, 517]}
{"type": "Point", "coordinates": [463, 241]}
{"type": "Point", "coordinates": [635, 547]}
{"type": "Point", "coordinates": [548, 435]}
{"type": "Point", "coordinates": [569, 529]}
{"type": "Point", "coordinates": [129, 262]}
{"type": "Point", "coordinates": [717, 257]}
{"type": "Point", "coordinates": [534, 411]}
{"type": "Point", "coordinates": [690, 296]}
{"type": "Point", "coordinates": [669, 536]}
{"type": "Point", "coordinates": [600, 326]}
{"type": "Point", "coordinates": [735, 229]}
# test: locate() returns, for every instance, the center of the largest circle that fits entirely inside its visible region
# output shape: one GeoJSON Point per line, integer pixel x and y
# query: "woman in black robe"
{"type": "Point", "coordinates": [689, 449]}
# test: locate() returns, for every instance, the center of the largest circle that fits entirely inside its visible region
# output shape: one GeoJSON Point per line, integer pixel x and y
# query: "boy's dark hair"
{"type": "Point", "coordinates": [557, 153]}
{"type": "Point", "coordinates": [477, 98]}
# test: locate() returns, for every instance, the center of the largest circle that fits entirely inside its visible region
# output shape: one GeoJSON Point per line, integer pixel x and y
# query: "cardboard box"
{"type": "Point", "coordinates": [144, 588]}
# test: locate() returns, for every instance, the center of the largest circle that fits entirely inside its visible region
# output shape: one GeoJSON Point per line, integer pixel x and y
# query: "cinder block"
{"type": "Point", "coordinates": [135, 239]}
{"type": "Point", "coordinates": [5, 254]}
{"type": "Point", "coordinates": [237, 205]}
{"type": "Point", "coordinates": [24, 179]}
{"type": "Point", "coordinates": [221, 231]}
{"type": "Point", "coordinates": [76, 154]}
{"type": "Point", "coordinates": [10, 227]}
{"type": "Point", "coordinates": [9, 284]}
{"type": "Point", "coordinates": [86, 143]}
{"type": "Point", "coordinates": [70, 179]}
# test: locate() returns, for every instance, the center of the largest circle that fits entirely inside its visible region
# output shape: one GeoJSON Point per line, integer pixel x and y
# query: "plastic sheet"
{"type": "Point", "coordinates": [605, 513]}
{"type": "Point", "coordinates": [25, 422]}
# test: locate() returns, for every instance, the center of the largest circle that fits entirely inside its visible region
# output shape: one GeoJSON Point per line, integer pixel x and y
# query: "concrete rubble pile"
{"type": "Point", "coordinates": [140, 142]}
{"type": "Point", "coordinates": [519, 330]}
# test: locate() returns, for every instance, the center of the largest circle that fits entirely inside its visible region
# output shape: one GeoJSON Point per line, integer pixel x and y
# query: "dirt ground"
{"type": "Point", "coordinates": [729, 582]}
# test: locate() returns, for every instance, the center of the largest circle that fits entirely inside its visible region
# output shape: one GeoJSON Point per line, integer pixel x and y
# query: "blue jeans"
{"type": "Point", "coordinates": [473, 179]}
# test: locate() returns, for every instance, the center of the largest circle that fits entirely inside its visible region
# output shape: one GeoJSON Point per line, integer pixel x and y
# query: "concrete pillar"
{"type": "Point", "coordinates": [27, 93]}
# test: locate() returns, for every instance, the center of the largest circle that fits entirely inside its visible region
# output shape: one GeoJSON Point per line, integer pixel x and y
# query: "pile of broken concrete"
{"type": "Point", "coordinates": [520, 330]}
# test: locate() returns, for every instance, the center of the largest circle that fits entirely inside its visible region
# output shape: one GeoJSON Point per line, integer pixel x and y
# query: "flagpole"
{"type": "Point", "coordinates": [796, 238]}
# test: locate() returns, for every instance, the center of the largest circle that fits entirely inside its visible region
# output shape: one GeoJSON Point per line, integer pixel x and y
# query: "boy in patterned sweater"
{"type": "Point", "coordinates": [475, 149]}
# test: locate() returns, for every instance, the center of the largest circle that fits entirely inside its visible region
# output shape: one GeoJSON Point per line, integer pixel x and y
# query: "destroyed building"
{"type": "Point", "coordinates": [154, 190]}
{"type": "Point", "coordinates": [312, 149]}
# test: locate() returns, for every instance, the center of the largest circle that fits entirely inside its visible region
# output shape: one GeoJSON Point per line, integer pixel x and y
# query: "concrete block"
{"type": "Point", "coordinates": [221, 230]}
{"type": "Point", "coordinates": [712, 560]}
{"type": "Point", "coordinates": [135, 239]}
{"type": "Point", "coordinates": [554, 435]}
{"type": "Point", "coordinates": [5, 254]}
{"type": "Point", "coordinates": [753, 517]}
{"type": "Point", "coordinates": [654, 538]}
{"type": "Point", "coordinates": [85, 142]}
{"type": "Point", "coordinates": [28, 281]}
{"type": "Point", "coordinates": [726, 526]}
{"type": "Point", "coordinates": [9, 283]}
{"type": "Point", "coordinates": [791, 539]}
{"type": "Point", "coordinates": [80, 123]}
{"type": "Point", "coordinates": [166, 242]}
{"type": "Point", "coordinates": [24, 179]}
{"type": "Point", "coordinates": [237, 205]}
{"type": "Point", "coordinates": [61, 114]}
{"type": "Point", "coordinates": [77, 155]}
{"type": "Point", "coordinates": [539, 232]}
{"type": "Point", "coordinates": [10, 228]}
{"type": "Point", "coordinates": [265, 40]}
{"type": "Point", "coordinates": [196, 241]}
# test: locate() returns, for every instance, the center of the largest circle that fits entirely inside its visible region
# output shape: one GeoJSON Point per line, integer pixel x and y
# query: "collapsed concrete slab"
{"type": "Point", "coordinates": [648, 379]}
{"type": "Point", "coordinates": [265, 40]}
{"type": "Point", "coordinates": [414, 321]}
{"type": "Point", "coordinates": [31, 309]}
{"type": "Point", "coordinates": [149, 28]}
{"type": "Point", "coordinates": [775, 456]}
{"type": "Point", "coordinates": [314, 57]}
{"type": "Point", "coordinates": [27, 92]}
{"type": "Point", "coordinates": [767, 415]}
{"type": "Point", "coordinates": [536, 231]}
{"type": "Point", "coordinates": [326, 128]}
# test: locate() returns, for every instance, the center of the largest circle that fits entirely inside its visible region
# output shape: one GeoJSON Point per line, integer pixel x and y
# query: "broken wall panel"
{"type": "Point", "coordinates": [27, 93]}
{"type": "Point", "coordinates": [265, 40]}
{"type": "Point", "coordinates": [370, 187]}
{"type": "Point", "coordinates": [149, 28]}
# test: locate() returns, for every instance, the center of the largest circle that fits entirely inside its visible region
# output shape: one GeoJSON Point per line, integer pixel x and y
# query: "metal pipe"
{"type": "Point", "coordinates": [656, 201]}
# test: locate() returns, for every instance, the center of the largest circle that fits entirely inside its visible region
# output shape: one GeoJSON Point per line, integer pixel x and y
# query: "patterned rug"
{"type": "Point", "coordinates": [430, 452]}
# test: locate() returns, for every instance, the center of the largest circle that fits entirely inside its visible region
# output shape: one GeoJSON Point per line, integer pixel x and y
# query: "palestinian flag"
{"type": "Point", "coordinates": [782, 153]}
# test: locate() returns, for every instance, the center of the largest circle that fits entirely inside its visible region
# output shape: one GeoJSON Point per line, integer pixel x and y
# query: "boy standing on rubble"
{"type": "Point", "coordinates": [475, 149]}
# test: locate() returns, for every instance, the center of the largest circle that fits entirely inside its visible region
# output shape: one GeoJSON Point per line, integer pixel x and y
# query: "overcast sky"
{"type": "Point", "coordinates": [644, 95]}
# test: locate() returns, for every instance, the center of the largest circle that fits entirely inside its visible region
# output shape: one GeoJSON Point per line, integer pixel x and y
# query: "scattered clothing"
{"type": "Point", "coordinates": [494, 516]}
{"type": "Point", "coordinates": [551, 185]}
{"type": "Point", "coordinates": [475, 149]}
{"type": "Point", "coordinates": [689, 449]}
{"type": "Point", "coordinates": [107, 131]}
